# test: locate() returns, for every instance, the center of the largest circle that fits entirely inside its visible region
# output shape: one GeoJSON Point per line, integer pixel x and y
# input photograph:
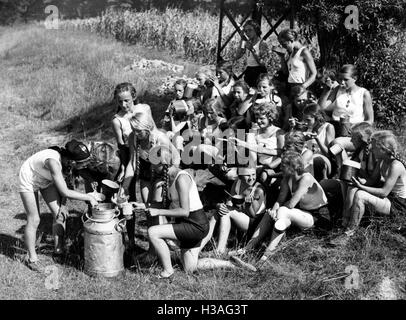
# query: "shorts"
{"type": "Point", "coordinates": [145, 170]}
{"type": "Point", "coordinates": [190, 234]}
{"type": "Point", "coordinates": [397, 204]}
{"type": "Point", "coordinates": [253, 224]}
{"type": "Point", "coordinates": [30, 181]}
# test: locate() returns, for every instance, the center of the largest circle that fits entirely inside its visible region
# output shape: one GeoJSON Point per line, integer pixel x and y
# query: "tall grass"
{"type": "Point", "coordinates": [194, 34]}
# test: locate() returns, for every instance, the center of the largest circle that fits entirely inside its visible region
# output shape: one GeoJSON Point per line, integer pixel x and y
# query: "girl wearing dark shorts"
{"type": "Point", "coordinates": [191, 224]}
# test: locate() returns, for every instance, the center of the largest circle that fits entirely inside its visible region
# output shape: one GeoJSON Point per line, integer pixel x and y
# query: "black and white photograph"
{"type": "Point", "coordinates": [203, 155]}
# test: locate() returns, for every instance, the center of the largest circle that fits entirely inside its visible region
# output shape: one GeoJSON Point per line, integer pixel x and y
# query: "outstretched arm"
{"type": "Point", "coordinates": [56, 172]}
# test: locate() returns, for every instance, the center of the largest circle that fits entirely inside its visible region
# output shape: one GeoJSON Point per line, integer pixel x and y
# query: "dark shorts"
{"type": "Point", "coordinates": [145, 170]}
{"type": "Point", "coordinates": [253, 224]}
{"type": "Point", "coordinates": [191, 233]}
{"type": "Point", "coordinates": [397, 205]}
{"type": "Point", "coordinates": [251, 75]}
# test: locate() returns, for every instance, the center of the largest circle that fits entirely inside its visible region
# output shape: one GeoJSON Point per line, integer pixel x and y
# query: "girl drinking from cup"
{"type": "Point", "coordinates": [265, 91]}
{"type": "Point", "coordinates": [319, 135]}
{"type": "Point", "coordinates": [385, 189]}
{"type": "Point", "coordinates": [257, 50]}
{"type": "Point", "coordinates": [349, 103]}
{"type": "Point", "coordinates": [191, 224]}
{"type": "Point", "coordinates": [299, 203]}
{"type": "Point", "coordinates": [245, 209]}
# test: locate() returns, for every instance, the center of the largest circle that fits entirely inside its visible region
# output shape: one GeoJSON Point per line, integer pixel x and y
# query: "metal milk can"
{"type": "Point", "coordinates": [103, 241]}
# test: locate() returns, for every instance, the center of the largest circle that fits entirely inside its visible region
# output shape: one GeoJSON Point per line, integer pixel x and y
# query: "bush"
{"type": "Point", "coordinates": [382, 71]}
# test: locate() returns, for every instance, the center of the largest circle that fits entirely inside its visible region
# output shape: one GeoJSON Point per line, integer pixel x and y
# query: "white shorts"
{"type": "Point", "coordinates": [30, 181]}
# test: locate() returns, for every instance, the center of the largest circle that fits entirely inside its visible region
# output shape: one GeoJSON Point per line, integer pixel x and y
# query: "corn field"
{"type": "Point", "coordinates": [192, 34]}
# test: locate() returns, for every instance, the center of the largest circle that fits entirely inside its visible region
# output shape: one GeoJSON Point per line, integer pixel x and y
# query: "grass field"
{"type": "Point", "coordinates": [58, 84]}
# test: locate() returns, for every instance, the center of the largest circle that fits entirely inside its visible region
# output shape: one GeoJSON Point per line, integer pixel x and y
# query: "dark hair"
{"type": "Point", "coordinates": [242, 84]}
{"type": "Point", "coordinates": [314, 110]}
{"type": "Point", "coordinates": [350, 68]}
{"type": "Point", "coordinates": [123, 87]}
{"type": "Point", "coordinates": [329, 73]}
{"type": "Point", "coordinates": [227, 66]}
{"type": "Point", "coordinates": [255, 25]}
{"type": "Point", "coordinates": [288, 34]}
{"type": "Point", "coordinates": [181, 82]}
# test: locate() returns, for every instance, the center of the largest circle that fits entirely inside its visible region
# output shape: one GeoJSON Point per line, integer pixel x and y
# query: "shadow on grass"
{"type": "Point", "coordinates": [95, 123]}
{"type": "Point", "coordinates": [10, 246]}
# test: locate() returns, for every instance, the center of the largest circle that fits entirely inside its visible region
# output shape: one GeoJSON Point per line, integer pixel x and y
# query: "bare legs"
{"type": "Point", "coordinates": [31, 206]}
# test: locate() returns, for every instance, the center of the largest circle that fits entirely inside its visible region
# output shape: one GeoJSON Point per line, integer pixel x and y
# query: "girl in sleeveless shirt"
{"type": "Point", "coordinates": [45, 171]}
{"type": "Point", "coordinates": [298, 62]}
{"type": "Point", "coordinates": [385, 189]}
{"type": "Point", "coordinates": [257, 53]}
{"type": "Point", "coordinates": [125, 97]}
{"type": "Point", "coordinates": [268, 136]}
{"type": "Point", "coordinates": [349, 103]}
{"type": "Point", "coordinates": [191, 225]}
{"type": "Point", "coordinates": [319, 135]}
{"type": "Point", "coordinates": [303, 206]}
{"type": "Point", "coordinates": [245, 216]}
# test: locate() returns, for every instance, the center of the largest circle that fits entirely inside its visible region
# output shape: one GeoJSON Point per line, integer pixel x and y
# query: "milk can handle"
{"type": "Point", "coordinates": [121, 225]}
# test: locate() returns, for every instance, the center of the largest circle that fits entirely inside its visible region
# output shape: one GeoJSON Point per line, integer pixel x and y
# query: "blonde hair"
{"type": "Point", "coordinates": [387, 139]}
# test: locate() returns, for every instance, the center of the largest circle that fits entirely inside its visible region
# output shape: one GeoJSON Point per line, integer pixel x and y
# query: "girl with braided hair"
{"type": "Point", "coordinates": [144, 136]}
{"type": "Point", "coordinates": [191, 224]}
{"type": "Point", "coordinates": [385, 190]}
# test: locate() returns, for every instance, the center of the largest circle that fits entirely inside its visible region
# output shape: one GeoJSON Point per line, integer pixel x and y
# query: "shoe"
{"type": "Point", "coordinates": [239, 252]}
{"type": "Point", "coordinates": [165, 277]}
{"type": "Point", "coordinates": [36, 265]}
{"type": "Point", "coordinates": [243, 264]}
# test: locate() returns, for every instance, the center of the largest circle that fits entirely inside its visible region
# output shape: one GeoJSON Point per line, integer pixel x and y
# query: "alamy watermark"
{"type": "Point", "coordinates": [53, 274]}
{"type": "Point", "coordinates": [52, 20]}
{"type": "Point", "coordinates": [352, 20]}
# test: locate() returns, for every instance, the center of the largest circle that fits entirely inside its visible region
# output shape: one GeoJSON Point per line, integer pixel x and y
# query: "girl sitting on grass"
{"type": "Point", "coordinates": [247, 214]}
{"type": "Point", "coordinates": [44, 172]}
{"type": "Point", "coordinates": [385, 190]}
{"type": "Point", "coordinates": [265, 92]}
{"type": "Point", "coordinates": [319, 135]}
{"type": "Point", "coordinates": [300, 199]}
{"type": "Point", "coordinates": [178, 123]}
{"type": "Point", "coordinates": [296, 141]}
{"type": "Point", "coordinates": [268, 136]}
{"type": "Point", "coordinates": [240, 114]}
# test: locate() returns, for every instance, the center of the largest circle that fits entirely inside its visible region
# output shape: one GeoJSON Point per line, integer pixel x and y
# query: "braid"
{"type": "Point", "coordinates": [165, 186]}
{"type": "Point", "coordinates": [394, 154]}
{"type": "Point", "coordinates": [137, 159]}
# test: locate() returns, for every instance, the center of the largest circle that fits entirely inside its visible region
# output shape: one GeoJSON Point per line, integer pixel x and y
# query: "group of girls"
{"type": "Point", "coordinates": [296, 143]}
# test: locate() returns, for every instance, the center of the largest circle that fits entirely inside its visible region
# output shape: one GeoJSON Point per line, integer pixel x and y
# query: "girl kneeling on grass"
{"type": "Point", "coordinates": [301, 209]}
{"type": "Point", "coordinates": [44, 172]}
{"type": "Point", "coordinates": [390, 198]}
{"type": "Point", "coordinates": [191, 223]}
